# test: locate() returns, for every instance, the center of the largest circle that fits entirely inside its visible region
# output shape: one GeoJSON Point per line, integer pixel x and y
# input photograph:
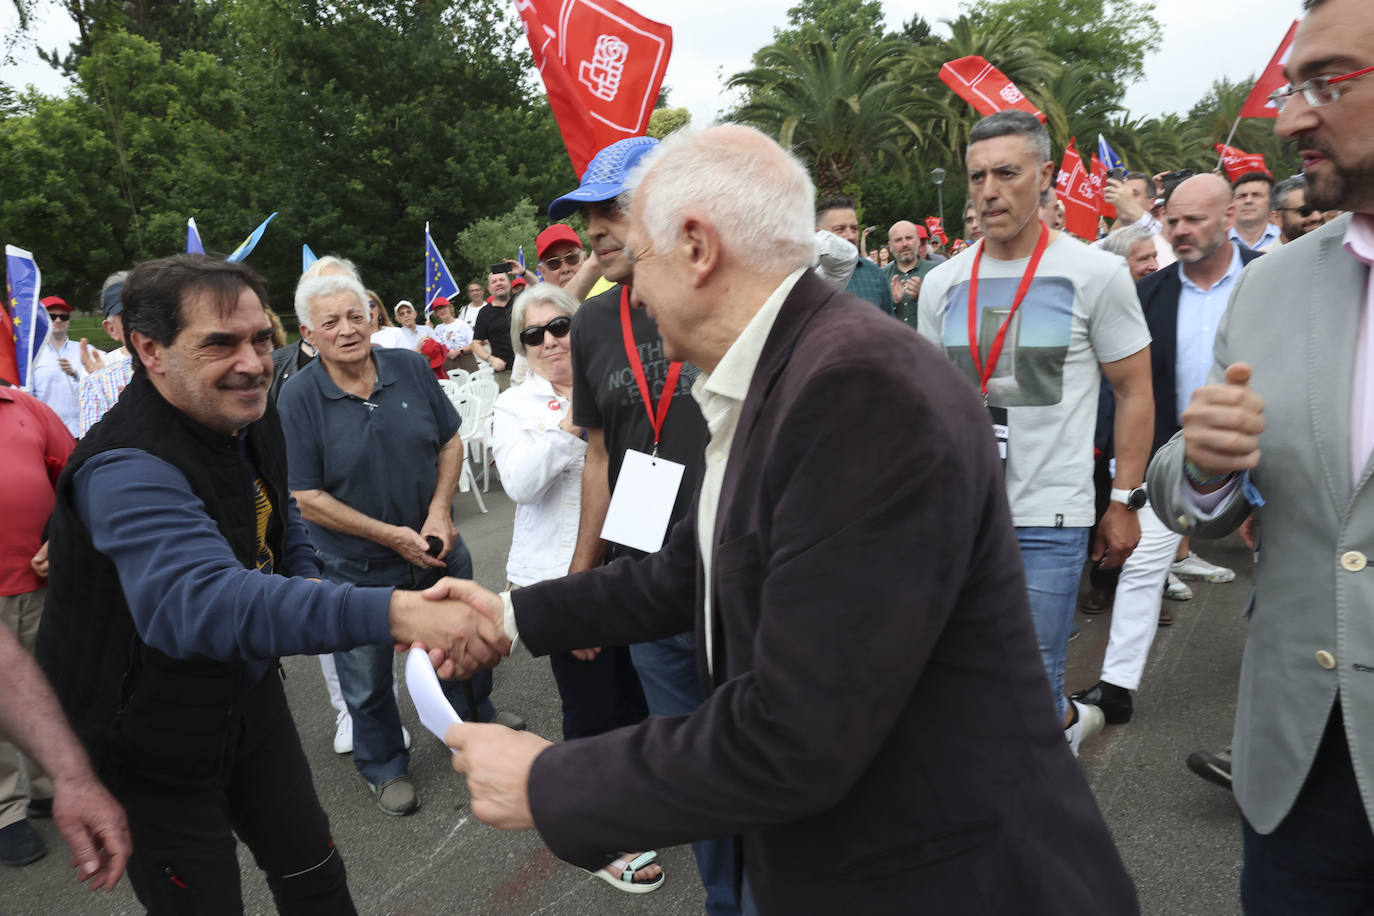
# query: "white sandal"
{"type": "Point", "coordinates": [626, 881]}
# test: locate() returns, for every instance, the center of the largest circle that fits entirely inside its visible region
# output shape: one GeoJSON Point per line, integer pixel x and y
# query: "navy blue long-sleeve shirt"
{"type": "Point", "coordinates": [189, 595]}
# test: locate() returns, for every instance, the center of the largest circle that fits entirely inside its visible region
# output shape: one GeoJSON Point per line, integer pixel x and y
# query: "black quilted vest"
{"type": "Point", "coordinates": [135, 708]}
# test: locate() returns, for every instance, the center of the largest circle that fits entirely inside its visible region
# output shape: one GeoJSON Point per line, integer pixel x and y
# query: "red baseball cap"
{"type": "Point", "coordinates": [519, 281]}
{"type": "Point", "coordinates": [558, 232]}
{"type": "Point", "coordinates": [922, 232]}
{"type": "Point", "coordinates": [440, 302]}
{"type": "Point", "coordinates": [55, 302]}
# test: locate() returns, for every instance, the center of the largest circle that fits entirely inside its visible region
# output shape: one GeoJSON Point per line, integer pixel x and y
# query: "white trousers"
{"type": "Point", "coordinates": [1135, 612]}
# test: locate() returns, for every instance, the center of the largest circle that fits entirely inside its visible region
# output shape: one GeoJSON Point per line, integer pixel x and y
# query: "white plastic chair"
{"type": "Point", "coordinates": [461, 376]}
{"type": "Point", "coordinates": [468, 428]}
{"type": "Point", "coordinates": [484, 371]}
{"type": "Point", "coordinates": [484, 391]}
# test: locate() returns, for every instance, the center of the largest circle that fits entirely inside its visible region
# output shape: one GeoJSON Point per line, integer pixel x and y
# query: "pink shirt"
{"type": "Point", "coordinates": [1359, 241]}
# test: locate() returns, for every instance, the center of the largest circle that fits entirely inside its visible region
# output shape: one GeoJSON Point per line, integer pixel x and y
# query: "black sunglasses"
{"type": "Point", "coordinates": [572, 258]}
{"type": "Point", "coordinates": [59, 316]}
{"type": "Point", "coordinates": [533, 335]}
{"type": "Point", "coordinates": [1301, 211]}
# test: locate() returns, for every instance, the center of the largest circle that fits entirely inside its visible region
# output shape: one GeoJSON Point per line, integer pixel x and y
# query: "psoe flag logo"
{"type": "Point", "coordinates": [610, 52]}
{"type": "Point", "coordinates": [1011, 94]}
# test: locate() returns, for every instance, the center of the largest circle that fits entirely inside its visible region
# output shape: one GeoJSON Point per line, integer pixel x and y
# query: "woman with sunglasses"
{"type": "Point", "coordinates": [540, 455]}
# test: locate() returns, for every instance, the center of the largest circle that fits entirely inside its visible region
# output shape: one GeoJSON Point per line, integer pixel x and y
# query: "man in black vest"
{"type": "Point", "coordinates": [180, 570]}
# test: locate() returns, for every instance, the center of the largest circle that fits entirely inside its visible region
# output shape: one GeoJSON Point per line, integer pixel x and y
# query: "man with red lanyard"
{"type": "Point", "coordinates": [1049, 317]}
{"type": "Point", "coordinates": [641, 420]}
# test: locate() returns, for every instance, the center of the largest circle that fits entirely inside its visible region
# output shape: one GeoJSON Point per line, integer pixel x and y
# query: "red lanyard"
{"type": "Point", "coordinates": [995, 351]}
{"type": "Point", "coordinates": [637, 366]}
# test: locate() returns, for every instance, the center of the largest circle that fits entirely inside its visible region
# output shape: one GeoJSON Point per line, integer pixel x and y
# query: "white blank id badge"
{"type": "Point", "coordinates": [643, 501]}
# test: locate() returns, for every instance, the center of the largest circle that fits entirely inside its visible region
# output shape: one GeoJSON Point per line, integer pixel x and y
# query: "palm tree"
{"type": "Point", "coordinates": [837, 104]}
{"type": "Point", "coordinates": [1075, 105]}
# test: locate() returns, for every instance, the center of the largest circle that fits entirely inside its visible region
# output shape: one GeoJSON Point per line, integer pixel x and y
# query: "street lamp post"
{"type": "Point", "coordinates": [937, 175]}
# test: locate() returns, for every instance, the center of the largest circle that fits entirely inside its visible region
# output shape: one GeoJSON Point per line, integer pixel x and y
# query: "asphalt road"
{"type": "Point", "coordinates": [1178, 835]}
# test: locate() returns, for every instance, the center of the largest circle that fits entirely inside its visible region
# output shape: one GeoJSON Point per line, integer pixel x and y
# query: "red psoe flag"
{"type": "Point", "coordinates": [935, 226]}
{"type": "Point", "coordinates": [1075, 189]}
{"type": "Point", "coordinates": [1238, 162]}
{"type": "Point", "coordinates": [1097, 176]}
{"type": "Point", "coordinates": [602, 65]}
{"type": "Point", "coordinates": [985, 87]}
{"type": "Point", "coordinates": [1257, 104]}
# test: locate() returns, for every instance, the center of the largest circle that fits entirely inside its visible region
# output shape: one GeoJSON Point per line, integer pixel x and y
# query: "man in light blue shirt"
{"type": "Point", "coordinates": [1253, 228]}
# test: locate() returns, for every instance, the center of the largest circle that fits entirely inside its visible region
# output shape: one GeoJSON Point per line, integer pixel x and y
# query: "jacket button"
{"type": "Point", "coordinates": [1353, 561]}
{"type": "Point", "coordinates": [1326, 659]}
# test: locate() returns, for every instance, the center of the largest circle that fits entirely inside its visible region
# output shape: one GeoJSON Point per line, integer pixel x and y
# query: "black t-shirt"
{"type": "Point", "coordinates": [606, 396]}
{"type": "Point", "coordinates": [493, 326]}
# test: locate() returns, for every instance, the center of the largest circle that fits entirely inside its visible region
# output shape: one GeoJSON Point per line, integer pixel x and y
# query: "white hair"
{"type": "Point", "coordinates": [542, 294]}
{"type": "Point", "coordinates": [312, 288]}
{"type": "Point", "coordinates": [332, 264]}
{"type": "Point", "coordinates": [1121, 241]}
{"type": "Point", "coordinates": [761, 202]}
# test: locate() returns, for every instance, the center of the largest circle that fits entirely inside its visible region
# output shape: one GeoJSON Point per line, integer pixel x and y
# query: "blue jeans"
{"type": "Point", "coordinates": [366, 673]}
{"type": "Point", "coordinates": [1320, 859]}
{"type": "Point", "coordinates": [1053, 558]}
{"type": "Point", "coordinates": [668, 673]}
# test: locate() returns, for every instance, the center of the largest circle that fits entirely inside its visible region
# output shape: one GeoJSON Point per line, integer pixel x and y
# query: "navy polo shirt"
{"type": "Point", "coordinates": [379, 455]}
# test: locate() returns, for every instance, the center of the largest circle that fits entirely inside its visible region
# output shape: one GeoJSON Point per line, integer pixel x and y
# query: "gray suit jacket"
{"type": "Point", "coordinates": [1294, 318]}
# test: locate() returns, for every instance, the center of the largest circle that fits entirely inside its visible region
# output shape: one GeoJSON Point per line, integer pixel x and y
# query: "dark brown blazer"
{"type": "Point", "coordinates": [878, 727]}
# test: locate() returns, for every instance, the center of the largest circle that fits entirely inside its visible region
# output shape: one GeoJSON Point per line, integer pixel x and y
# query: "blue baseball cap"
{"type": "Point", "coordinates": [605, 177]}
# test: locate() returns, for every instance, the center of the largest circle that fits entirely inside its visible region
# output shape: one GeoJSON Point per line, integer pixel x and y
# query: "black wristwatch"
{"type": "Point", "coordinates": [1131, 499]}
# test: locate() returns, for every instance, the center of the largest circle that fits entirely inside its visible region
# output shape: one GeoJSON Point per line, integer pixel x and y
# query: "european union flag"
{"type": "Point", "coordinates": [438, 280]}
{"type": "Point", "coordinates": [30, 317]}
{"type": "Point", "coordinates": [247, 245]}
{"type": "Point", "coordinates": [1108, 155]}
{"type": "Point", "coordinates": [193, 245]}
{"type": "Point", "coordinates": [307, 257]}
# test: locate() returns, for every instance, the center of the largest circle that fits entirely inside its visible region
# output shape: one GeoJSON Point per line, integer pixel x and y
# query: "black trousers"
{"type": "Point", "coordinates": [599, 695]}
{"type": "Point", "coordinates": [184, 858]}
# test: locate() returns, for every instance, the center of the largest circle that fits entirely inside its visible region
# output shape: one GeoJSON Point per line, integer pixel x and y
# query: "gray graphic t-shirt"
{"type": "Point", "coordinates": [1081, 310]}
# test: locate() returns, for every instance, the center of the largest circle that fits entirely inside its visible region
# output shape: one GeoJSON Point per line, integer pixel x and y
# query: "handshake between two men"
{"type": "Point", "coordinates": [458, 622]}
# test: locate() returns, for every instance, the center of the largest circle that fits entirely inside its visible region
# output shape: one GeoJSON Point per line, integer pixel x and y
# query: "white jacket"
{"type": "Point", "coordinates": [541, 470]}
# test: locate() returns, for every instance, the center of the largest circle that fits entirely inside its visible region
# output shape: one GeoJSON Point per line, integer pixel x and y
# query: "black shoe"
{"type": "Point", "coordinates": [39, 808]}
{"type": "Point", "coordinates": [19, 845]}
{"type": "Point", "coordinates": [1215, 768]}
{"type": "Point", "coordinates": [1114, 701]}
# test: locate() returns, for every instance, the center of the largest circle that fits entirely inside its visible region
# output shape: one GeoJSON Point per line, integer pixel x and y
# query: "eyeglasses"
{"type": "Point", "coordinates": [1301, 211]}
{"type": "Point", "coordinates": [533, 335]}
{"type": "Point", "coordinates": [1319, 91]}
{"type": "Point", "coordinates": [572, 259]}
{"type": "Point", "coordinates": [59, 316]}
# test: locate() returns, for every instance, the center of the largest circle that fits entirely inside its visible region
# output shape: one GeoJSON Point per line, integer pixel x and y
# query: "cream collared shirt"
{"type": "Point", "coordinates": [720, 395]}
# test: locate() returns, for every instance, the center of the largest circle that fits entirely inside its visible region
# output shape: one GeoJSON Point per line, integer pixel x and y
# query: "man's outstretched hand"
{"type": "Point", "coordinates": [93, 825]}
{"type": "Point", "coordinates": [462, 636]}
{"type": "Point", "coordinates": [497, 763]}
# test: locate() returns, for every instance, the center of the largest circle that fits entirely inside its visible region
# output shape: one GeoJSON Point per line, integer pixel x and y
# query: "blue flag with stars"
{"type": "Point", "coordinates": [438, 280]}
{"type": "Point", "coordinates": [1108, 155]}
{"type": "Point", "coordinates": [30, 317]}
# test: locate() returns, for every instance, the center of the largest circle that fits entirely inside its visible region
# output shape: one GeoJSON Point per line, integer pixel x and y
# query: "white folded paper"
{"type": "Point", "coordinates": [435, 712]}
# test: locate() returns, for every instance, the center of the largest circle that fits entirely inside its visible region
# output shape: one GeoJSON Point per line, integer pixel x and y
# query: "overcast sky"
{"type": "Point", "coordinates": [1202, 40]}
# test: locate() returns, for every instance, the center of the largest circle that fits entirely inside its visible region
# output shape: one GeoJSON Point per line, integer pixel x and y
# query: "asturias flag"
{"type": "Point", "coordinates": [247, 245]}
{"type": "Point", "coordinates": [602, 65]}
{"type": "Point", "coordinates": [984, 87]}
{"type": "Point", "coordinates": [438, 280]}
{"type": "Point", "coordinates": [30, 317]}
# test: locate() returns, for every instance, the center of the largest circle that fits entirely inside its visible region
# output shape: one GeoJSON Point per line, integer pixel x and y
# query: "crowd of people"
{"type": "Point", "coordinates": [708, 492]}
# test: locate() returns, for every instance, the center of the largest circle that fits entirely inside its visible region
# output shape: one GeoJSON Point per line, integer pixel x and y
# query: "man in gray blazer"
{"type": "Point", "coordinates": [1285, 429]}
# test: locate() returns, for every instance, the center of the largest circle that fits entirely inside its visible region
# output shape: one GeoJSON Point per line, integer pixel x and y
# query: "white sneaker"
{"type": "Point", "coordinates": [1086, 727]}
{"type": "Point", "coordinates": [343, 733]}
{"type": "Point", "coordinates": [1196, 568]}
{"type": "Point", "coordinates": [1177, 590]}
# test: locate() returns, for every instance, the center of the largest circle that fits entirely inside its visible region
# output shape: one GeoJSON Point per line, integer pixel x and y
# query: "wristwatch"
{"type": "Point", "coordinates": [1131, 499]}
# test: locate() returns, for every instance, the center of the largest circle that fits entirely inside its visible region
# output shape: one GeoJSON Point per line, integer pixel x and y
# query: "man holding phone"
{"type": "Point", "coordinates": [491, 335]}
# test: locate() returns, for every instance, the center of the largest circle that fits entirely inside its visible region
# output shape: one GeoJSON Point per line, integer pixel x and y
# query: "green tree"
{"type": "Point", "coordinates": [494, 238]}
{"type": "Point", "coordinates": [1111, 37]}
{"type": "Point", "coordinates": [833, 19]}
{"type": "Point", "coordinates": [839, 104]}
{"type": "Point", "coordinates": [664, 121]}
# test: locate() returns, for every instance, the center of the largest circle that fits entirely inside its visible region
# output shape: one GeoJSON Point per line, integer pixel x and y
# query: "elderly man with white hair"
{"type": "Point", "coordinates": [875, 729]}
{"type": "Point", "coordinates": [374, 455]}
